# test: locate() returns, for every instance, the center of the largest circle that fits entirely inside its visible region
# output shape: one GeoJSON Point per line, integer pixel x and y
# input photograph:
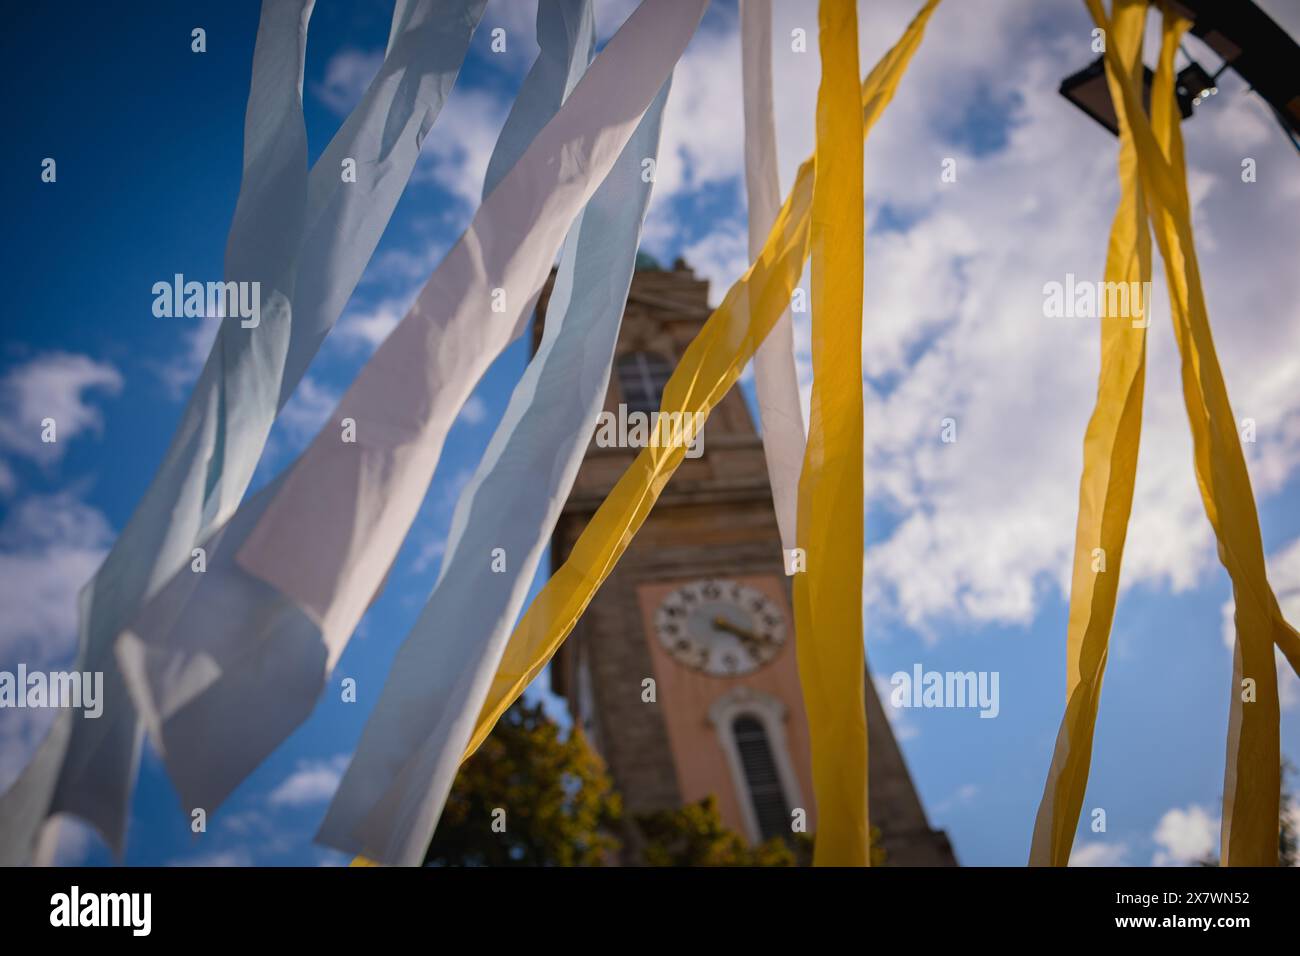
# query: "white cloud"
{"type": "Point", "coordinates": [518, 20]}
{"type": "Point", "coordinates": [610, 15]}
{"type": "Point", "coordinates": [474, 411]}
{"type": "Point", "coordinates": [364, 329]}
{"type": "Point", "coordinates": [953, 322]}
{"type": "Point", "coordinates": [1185, 836]}
{"type": "Point", "coordinates": [238, 857]}
{"type": "Point", "coordinates": [21, 731]}
{"type": "Point", "coordinates": [954, 326]}
{"type": "Point", "coordinates": [449, 490]}
{"type": "Point", "coordinates": [350, 71]}
{"type": "Point", "coordinates": [962, 796]}
{"type": "Point", "coordinates": [702, 141]}
{"type": "Point", "coordinates": [347, 75]}
{"type": "Point", "coordinates": [721, 257]}
{"type": "Point", "coordinates": [247, 823]}
{"type": "Point", "coordinates": [307, 411]}
{"type": "Point", "coordinates": [50, 546]}
{"type": "Point", "coordinates": [400, 273]}
{"type": "Point", "coordinates": [313, 782]}
{"type": "Point", "coordinates": [52, 385]}
{"type": "Point", "coordinates": [1098, 854]}
{"type": "Point", "coordinates": [441, 503]}
{"type": "Point", "coordinates": [456, 152]}
{"type": "Point", "coordinates": [432, 550]}
{"type": "Point", "coordinates": [404, 266]}
{"type": "Point", "coordinates": [303, 417]}
{"type": "Point", "coordinates": [183, 370]}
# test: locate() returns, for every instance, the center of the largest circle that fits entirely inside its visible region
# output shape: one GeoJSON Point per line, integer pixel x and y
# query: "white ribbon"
{"type": "Point", "coordinates": [306, 239]}
{"type": "Point", "coordinates": [776, 382]}
{"type": "Point", "coordinates": [388, 804]}
{"type": "Point", "coordinates": [226, 675]}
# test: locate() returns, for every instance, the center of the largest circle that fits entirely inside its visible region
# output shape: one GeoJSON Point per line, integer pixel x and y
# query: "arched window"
{"type": "Point", "coordinates": [762, 777]}
{"type": "Point", "coordinates": [641, 377]}
{"type": "Point", "coordinates": [751, 732]}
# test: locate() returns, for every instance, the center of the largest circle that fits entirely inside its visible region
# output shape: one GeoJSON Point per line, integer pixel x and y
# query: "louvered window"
{"type": "Point", "coordinates": [761, 777]}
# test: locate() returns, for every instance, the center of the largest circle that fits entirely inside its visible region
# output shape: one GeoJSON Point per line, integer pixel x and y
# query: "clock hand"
{"type": "Point", "coordinates": [720, 623]}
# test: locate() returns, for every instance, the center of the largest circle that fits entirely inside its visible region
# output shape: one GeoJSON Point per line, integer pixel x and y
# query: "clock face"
{"type": "Point", "coordinates": [720, 627]}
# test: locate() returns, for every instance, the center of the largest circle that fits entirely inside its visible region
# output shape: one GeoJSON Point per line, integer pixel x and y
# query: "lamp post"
{"type": "Point", "coordinates": [1239, 32]}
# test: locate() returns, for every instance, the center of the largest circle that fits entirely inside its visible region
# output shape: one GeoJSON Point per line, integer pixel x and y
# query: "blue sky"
{"type": "Point", "coordinates": [968, 544]}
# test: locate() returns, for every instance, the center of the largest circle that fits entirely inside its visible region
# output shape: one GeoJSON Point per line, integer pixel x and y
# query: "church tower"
{"type": "Point", "coordinates": [700, 603]}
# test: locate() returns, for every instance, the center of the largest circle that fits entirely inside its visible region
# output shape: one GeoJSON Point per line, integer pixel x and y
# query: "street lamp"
{"type": "Point", "coordinates": [1246, 39]}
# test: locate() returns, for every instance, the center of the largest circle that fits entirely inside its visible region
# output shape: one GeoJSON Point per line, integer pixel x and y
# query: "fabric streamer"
{"type": "Point", "coordinates": [171, 679]}
{"type": "Point", "coordinates": [1252, 772]}
{"type": "Point", "coordinates": [776, 381]}
{"type": "Point", "coordinates": [1110, 454]}
{"type": "Point", "coordinates": [828, 596]}
{"type": "Point", "coordinates": [710, 366]}
{"type": "Point", "coordinates": [227, 669]}
{"type": "Point", "coordinates": [1170, 211]}
{"type": "Point", "coordinates": [1252, 776]}
{"type": "Point", "coordinates": [389, 801]}
{"type": "Point", "coordinates": [566, 40]}
{"type": "Point", "coordinates": [306, 238]}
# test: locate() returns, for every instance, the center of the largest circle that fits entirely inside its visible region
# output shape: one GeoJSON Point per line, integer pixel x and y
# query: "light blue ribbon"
{"type": "Point", "coordinates": [222, 667]}
{"type": "Point", "coordinates": [307, 239]}
{"type": "Point", "coordinates": [389, 801]}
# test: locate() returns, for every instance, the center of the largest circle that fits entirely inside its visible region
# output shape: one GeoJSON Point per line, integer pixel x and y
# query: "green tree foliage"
{"type": "Point", "coordinates": [560, 809]}
{"type": "Point", "coordinates": [1288, 845]}
{"type": "Point", "coordinates": [1288, 839]}
{"type": "Point", "coordinates": [693, 835]}
{"type": "Point", "coordinates": [558, 800]}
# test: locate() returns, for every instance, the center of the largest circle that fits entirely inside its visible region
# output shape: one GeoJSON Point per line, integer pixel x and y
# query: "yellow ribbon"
{"type": "Point", "coordinates": [1251, 784]}
{"type": "Point", "coordinates": [1110, 451]}
{"type": "Point", "coordinates": [710, 366]}
{"type": "Point", "coordinates": [828, 596]}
